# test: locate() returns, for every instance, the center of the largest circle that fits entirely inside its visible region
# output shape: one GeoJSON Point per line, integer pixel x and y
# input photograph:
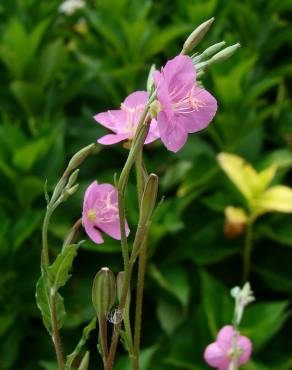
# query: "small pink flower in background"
{"type": "Point", "coordinates": [100, 212]}
{"type": "Point", "coordinates": [219, 353]}
{"type": "Point", "coordinates": [123, 122]}
{"type": "Point", "coordinates": [185, 107]}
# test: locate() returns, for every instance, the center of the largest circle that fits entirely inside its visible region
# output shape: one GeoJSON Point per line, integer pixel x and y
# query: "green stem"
{"type": "Point", "coordinates": [139, 175]}
{"type": "Point", "coordinates": [103, 335]}
{"type": "Point", "coordinates": [45, 259]}
{"type": "Point", "coordinates": [139, 302]}
{"type": "Point", "coordinates": [247, 252]}
{"type": "Point", "coordinates": [115, 337]}
{"type": "Point", "coordinates": [56, 334]}
{"type": "Point", "coordinates": [138, 141]}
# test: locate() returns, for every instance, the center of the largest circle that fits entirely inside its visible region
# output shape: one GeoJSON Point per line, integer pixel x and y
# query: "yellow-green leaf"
{"type": "Point", "coordinates": [242, 174]}
{"type": "Point", "coordinates": [277, 198]}
{"type": "Point", "coordinates": [247, 180]}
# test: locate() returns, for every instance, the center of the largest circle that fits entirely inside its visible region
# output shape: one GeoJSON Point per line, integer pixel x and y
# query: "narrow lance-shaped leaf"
{"type": "Point", "coordinates": [85, 335]}
{"type": "Point", "coordinates": [43, 303]}
{"type": "Point", "coordinates": [59, 270]}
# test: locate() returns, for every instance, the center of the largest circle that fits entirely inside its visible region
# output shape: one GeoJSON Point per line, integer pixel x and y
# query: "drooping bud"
{"type": "Point", "coordinates": [235, 222]}
{"type": "Point", "coordinates": [154, 109]}
{"type": "Point", "coordinates": [224, 54]}
{"type": "Point", "coordinates": [196, 36]}
{"type": "Point", "coordinates": [120, 283]}
{"type": "Point", "coordinates": [148, 199]}
{"type": "Point", "coordinates": [80, 156]}
{"type": "Point", "coordinates": [104, 292]}
{"type": "Point", "coordinates": [85, 361]}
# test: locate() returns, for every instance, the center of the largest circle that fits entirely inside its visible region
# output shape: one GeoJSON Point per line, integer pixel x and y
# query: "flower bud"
{"type": "Point", "coordinates": [224, 54]}
{"type": "Point", "coordinates": [148, 199]}
{"type": "Point", "coordinates": [85, 362]}
{"type": "Point", "coordinates": [104, 292]}
{"type": "Point", "coordinates": [79, 157]}
{"type": "Point", "coordinates": [154, 109]}
{"type": "Point", "coordinates": [235, 222]}
{"type": "Point", "coordinates": [150, 80]}
{"type": "Point", "coordinates": [120, 283]}
{"type": "Point", "coordinates": [72, 179]}
{"type": "Point", "coordinates": [211, 50]}
{"type": "Point", "coordinates": [196, 36]}
{"type": "Point", "coordinates": [202, 66]}
{"type": "Point", "coordinates": [66, 193]}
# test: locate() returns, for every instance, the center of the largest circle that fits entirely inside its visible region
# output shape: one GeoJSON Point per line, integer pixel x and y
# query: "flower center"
{"type": "Point", "coordinates": [105, 209]}
{"type": "Point", "coordinates": [91, 215]}
{"type": "Point", "coordinates": [239, 352]}
{"type": "Point", "coordinates": [133, 115]}
{"type": "Point", "coordinates": [189, 104]}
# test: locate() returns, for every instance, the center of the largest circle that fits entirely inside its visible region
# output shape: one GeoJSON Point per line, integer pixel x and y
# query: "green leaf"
{"type": "Point", "coordinates": [51, 61]}
{"type": "Point", "coordinates": [217, 303]}
{"type": "Point", "coordinates": [26, 224]}
{"type": "Point", "coordinates": [59, 270]}
{"type": "Point", "coordinates": [30, 96]}
{"type": "Point", "coordinates": [49, 365]}
{"type": "Point", "coordinates": [173, 279]}
{"type": "Point", "coordinates": [85, 335]}
{"type": "Point", "coordinates": [146, 356]}
{"type": "Point", "coordinates": [261, 321]}
{"type": "Point", "coordinates": [169, 314]}
{"type": "Point", "coordinates": [43, 303]}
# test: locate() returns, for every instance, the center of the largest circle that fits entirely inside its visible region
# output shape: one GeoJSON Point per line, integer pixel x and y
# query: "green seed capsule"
{"type": "Point", "coordinates": [148, 199]}
{"type": "Point", "coordinates": [104, 292]}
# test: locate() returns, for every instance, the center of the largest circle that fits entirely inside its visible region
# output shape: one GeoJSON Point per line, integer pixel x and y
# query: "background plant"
{"type": "Point", "coordinates": [56, 72]}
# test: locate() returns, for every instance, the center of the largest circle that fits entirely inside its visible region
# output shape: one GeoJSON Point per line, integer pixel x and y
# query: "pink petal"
{"type": "Point", "coordinates": [172, 135]}
{"type": "Point", "coordinates": [245, 344]}
{"type": "Point", "coordinates": [112, 139]}
{"type": "Point", "coordinates": [91, 231]}
{"type": "Point", "coordinates": [136, 98]}
{"type": "Point", "coordinates": [112, 119]}
{"type": "Point", "coordinates": [153, 132]}
{"type": "Point", "coordinates": [156, 77]}
{"type": "Point", "coordinates": [106, 188]}
{"type": "Point", "coordinates": [224, 338]}
{"type": "Point", "coordinates": [216, 357]}
{"type": "Point", "coordinates": [113, 229]}
{"type": "Point", "coordinates": [203, 114]}
{"type": "Point", "coordinates": [180, 76]}
{"type": "Point", "coordinates": [90, 196]}
{"type": "Point", "coordinates": [163, 94]}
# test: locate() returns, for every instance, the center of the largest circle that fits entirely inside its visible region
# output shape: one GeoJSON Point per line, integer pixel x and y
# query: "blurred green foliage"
{"type": "Point", "coordinates": [56, 71]}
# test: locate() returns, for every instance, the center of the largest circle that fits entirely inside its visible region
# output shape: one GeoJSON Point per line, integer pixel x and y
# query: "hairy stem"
{"type": "Point", "coordinates": [45, 259]}
{"type": "Point", "coordinates": [103, 335]}
{"type": "Point", "coordinates": [56, 334]}
{"type": "Point", "coordinates": [139, 302]}
{"type": "Point", "coordinates": [137, 144]}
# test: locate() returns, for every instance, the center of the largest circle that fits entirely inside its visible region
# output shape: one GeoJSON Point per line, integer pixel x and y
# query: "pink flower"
{"type": "Point", "coordinates": [219, 353]}
{"type": "Point", "coordinates": [100, 212]}
{"type": "Point", "coordinates": [185, 107]}
{"type": "Point", "coordinates": [123, 122]}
